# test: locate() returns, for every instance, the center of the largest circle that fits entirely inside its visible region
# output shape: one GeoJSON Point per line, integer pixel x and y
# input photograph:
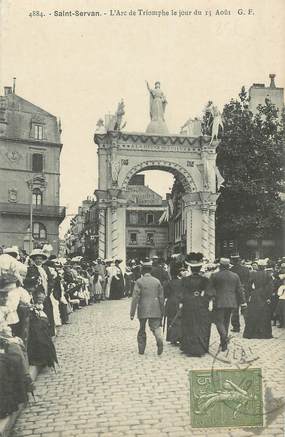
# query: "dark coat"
{"type": "Point", "coordinates": [227, 289]}
{"type": "Point", "coordinates": [32, 281]}
{"type": "Point", "coordinates": [244, 276]}
{"type": "Point", "coordinates": [148, 298]}
{"type": "Point", "coordinates": [173, 291]}
{"type": "Point", "coordinates": [159, 273]}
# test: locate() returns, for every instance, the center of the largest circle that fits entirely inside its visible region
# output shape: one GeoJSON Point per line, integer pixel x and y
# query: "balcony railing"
{"type": "Point", "coordinates": [23, 209]}
{"type": "Point", "coordinates": [132, 243]}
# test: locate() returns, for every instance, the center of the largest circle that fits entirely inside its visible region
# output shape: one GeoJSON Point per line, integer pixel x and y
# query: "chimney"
{"type": "Point", "coordinates": [7, 90]}
{"type": "Point", "coordinates": [14, 85]}
{"type": "Point", "coordinates": [272, 82]}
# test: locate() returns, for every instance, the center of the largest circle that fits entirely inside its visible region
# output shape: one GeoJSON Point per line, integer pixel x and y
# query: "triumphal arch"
{"type": "Point", "coordinates": [192, 160]}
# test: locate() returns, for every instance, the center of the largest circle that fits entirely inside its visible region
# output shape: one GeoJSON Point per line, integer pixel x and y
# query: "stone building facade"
{"type": "Point", "coordinates": [77, 236]}
{"type": "Point", "coordinates": [145, 235]}
{"type": "Point", "coordinates": [30, 150]}
{"type": "Point", "coordinates": [258, 92]}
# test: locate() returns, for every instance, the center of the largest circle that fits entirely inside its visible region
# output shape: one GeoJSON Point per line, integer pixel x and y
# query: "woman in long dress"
{"type": "Point", "coordinates": [117, 282]}
{"type": "Point", "coordinates": [173, 291]}
{"type": "Point", "coordinates": [196, 323]}
{"type": "Point", "coordinates": [258, 318]}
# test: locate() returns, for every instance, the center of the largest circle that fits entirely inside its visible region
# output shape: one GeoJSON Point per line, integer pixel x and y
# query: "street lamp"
{"type": "Point", "coordinates": [40, 182]}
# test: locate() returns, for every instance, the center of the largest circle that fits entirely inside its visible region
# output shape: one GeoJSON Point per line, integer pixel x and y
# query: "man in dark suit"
{"type": "Point", "coordinates": [228, 294]}
{"type": "Point", "coordinates": [158, 271]}
{"type": "Point", "coordinates": [148, 299]}
{"type": "Point", "coordinates": [243, 274]}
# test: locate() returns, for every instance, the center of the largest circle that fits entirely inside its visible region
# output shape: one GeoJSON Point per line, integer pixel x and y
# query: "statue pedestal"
{"type": "Point", "coordinates": [157, 127]}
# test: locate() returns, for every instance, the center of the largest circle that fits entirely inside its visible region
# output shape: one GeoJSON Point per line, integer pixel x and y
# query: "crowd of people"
{"type": "Point", "coordinates": [189, 295]}
{"type": "Point", "coordinates": [37, 295]}
{"type": "Point", "coordinates": [184, 296]}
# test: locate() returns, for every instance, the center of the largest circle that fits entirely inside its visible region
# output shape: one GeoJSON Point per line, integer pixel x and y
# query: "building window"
{"type": "Point", "coordinates": [149, 238]}
{"type": "Point", "coordinates": [133, 238]}
{"type": "Point", "coordinates": [39, 231]}
{"type": "Point", "coordinates": [134, 218]}
{"type": "Point", "coordinates": [37, 162]}
{"type": "Point", "coordinates": [39, 132]}
{"type": "Point", "coordinates": [149, 219]}
{"type": "Point", "coordinates": [37, 197]}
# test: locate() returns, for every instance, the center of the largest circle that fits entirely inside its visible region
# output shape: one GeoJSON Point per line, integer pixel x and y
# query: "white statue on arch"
{"type": "Point", "coordinates": [215, 121]}
{"type": "Point", "coordinates": [157, 105]}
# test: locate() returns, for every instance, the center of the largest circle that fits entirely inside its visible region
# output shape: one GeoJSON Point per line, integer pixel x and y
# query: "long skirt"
{"type": "Point", "coordinates": [116, 288]}
{"type": "Point", "coordinates": [258, 317]}
{"type": "Point", "coordinates": [56, 313]}
{"type": "Point", "coordinates": [196, 327]}
{"type": "Point", "coordinates": [41, 350]}
{"type": "Point", "coordinates": [174, 328]}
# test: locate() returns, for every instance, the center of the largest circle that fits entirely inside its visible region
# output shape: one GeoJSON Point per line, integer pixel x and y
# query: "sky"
{"type": "Point", "coordinates": [78, 68]}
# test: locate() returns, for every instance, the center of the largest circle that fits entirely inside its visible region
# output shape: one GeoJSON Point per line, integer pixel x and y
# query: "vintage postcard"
{"type": "Point", "coordinates": [142, 201]}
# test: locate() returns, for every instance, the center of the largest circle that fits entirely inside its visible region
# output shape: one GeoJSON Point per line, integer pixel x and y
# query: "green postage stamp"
{"type": "Point", "coordinates": [226, 397]}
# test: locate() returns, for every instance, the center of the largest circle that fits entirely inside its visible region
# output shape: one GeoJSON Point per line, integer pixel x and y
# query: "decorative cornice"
{"type": "Point", "coordinates": [31, 142]}
{"type": "Point", "coordinates": [142, 141]}
{"type": "Point", "coordinates": [202, 200]}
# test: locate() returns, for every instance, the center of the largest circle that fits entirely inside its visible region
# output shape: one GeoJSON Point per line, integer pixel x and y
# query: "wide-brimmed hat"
{"type": "Point", "coordinates": [38, 252]}
{"type": "Point", "coordinates": [147, 264]}
{"type": "Point", "coordinates": [11, 251]}
{"type": "Point", "coordinates": [118, 260]}
{"type": "Point", "coordinates": [194, 259]}
{"type": "Point", "coordinates": [235, 257]}
{"type": "Point", "coordinates": [225, 261]}
{"type": "Point", "coordinates": [262, 262]}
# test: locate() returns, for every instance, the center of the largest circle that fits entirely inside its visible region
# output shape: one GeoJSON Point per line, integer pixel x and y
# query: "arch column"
{"type": "Point", "coordinates": [193, 215]}
{"type": "Point", "coordinates": [205, 230]}
{"type": "Point", "coordinates": [200, 223]}
{"type": "Point", "coordinates": [102, 233]}
{"type": "Point", "coordinates": [212, 232]}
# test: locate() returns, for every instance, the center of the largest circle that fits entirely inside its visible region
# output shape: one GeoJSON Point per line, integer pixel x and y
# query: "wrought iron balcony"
{"type": "Point", "coordinates": [132, 243]}
{"type": "Point", "coordinates": [23, 209]}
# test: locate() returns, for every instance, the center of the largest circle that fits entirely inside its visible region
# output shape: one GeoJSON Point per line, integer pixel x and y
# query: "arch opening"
{"type": "Point", "coordinates": [175, 169]}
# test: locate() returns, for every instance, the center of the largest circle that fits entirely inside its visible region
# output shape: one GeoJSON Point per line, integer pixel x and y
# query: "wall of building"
{"type": "Point", "coordinates": [259, 92]}
{"type": "Point", "coordinates": [26, 129]}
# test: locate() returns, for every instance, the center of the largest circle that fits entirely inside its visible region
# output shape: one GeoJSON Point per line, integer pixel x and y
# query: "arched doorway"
{"type": "Point", "coordinates": [192, 161]}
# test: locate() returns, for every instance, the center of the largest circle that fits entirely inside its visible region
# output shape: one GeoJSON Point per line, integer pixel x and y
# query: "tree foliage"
{"type": "Point", "coordinates": [250, 158]}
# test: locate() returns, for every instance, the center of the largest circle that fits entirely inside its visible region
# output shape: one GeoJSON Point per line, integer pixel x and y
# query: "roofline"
{"type": "Point", "coordinates": [265, 87]}
{"type": "Point", "coordinates": [31, 103]}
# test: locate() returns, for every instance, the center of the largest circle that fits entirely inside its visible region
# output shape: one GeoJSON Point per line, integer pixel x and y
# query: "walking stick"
{"type": "Point", "coordinates": [175, 318]}
{"type": "Point", "coordinates": [163, 323]}
{"type": "Point", "coordinates": [164, 316]}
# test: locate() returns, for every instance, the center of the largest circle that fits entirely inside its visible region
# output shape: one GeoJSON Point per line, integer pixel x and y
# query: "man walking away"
{"type": "Point", "coordinates": [158, 271]}
{"type": "Point", "coordinates": [148, 299]}
{"type": "Point", "coordinates": [228, 294]}
{"type": "Point", "coordinates": [243, 274]}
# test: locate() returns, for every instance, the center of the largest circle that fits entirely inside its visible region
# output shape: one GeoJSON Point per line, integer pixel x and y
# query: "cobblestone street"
{"type": "Point", "coordinates": [104, 388]}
